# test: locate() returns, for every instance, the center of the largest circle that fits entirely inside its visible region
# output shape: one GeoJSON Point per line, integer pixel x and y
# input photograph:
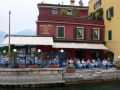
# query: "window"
{"type": "Point", "coordinates": [69, 12]}
{"type": "Point", "coordinates": [54, 10]}
{"type": "Point", "coordinates": [110, 35]}
{"type": "Point", "coordinates": [80, 33]}
{"type": "Point", "coordinates": [110, 13]}
{"type": "Point", "coordinates": [60, 32]}
{"type": "Point", "coordinates": [97, 4]}
{"type": "Point", "coordinates": [96, 34]}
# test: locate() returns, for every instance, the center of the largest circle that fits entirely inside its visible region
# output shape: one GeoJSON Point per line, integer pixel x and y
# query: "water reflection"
{"type": "Point", "coordinates": [98, 86]}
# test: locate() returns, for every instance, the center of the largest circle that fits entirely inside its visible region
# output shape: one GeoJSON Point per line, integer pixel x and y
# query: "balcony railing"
{"type": "Point", "coordinates": [58, 18]}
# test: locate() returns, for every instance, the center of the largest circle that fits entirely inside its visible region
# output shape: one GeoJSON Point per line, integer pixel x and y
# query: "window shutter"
{"type": "Point", "coordinates": [94, 6]}
{"type": "Point", "coordinates": [109, 35]}
{"type": "Point", "coordinates": [75, 33]}
{"type": "Point", "coordinates": [100, 2]}
{"type": "Point", "coordinates": [112, 11]}
{"type": "Point", "coordinates": [107, 14]}
{"type": "Point", "coordinates": [91, 34]}
{"type": "Point", "coordinates": [84, 33]}
{"type": "Point", "coordinates": [50, 11]}
{"type": "Point", "coordinates": [101, 33]}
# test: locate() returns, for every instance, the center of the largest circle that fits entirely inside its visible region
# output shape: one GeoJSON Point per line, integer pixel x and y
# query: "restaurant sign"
{"type": "Point", "coordinates": [45, 28]}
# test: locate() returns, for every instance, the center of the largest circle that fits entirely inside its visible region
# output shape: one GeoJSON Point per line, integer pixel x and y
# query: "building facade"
{"type": "Point", "coordinates": [110, 14]}
{"type": "Point", "coordinates": [71, 30]}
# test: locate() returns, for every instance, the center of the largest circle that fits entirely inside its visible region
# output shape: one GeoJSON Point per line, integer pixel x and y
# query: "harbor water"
{"type": "Point", "coordinates": [114, 85]}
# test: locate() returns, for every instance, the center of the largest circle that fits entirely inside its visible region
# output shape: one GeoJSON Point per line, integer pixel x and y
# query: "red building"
{"type": "Point", "coordinates": [71, 30]}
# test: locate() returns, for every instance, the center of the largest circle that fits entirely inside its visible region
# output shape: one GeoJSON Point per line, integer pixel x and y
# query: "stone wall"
{"type": "Point", "coordinates": [81, 76]}
{"type": "Point", "coordinates": [31, 76]}
{"type": "Point", "coordinates": [39, 76]}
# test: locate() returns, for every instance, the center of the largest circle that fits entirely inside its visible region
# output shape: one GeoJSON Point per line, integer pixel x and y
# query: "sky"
{"type": "Point", "coordinates": [24, 13]}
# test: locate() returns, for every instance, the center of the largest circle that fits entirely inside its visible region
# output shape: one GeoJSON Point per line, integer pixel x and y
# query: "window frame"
{"type": "Point", "coordinates": [53, 11]}
{"type": "Point", "coordinates": [109, 11]}
{"type": "Point", "coordinates": [97, 4]}
{"type": "Point", "coordinates": [63, 32]}
{"type": "Point", "coordinates": [83, 33]}
{"type": "Point", "coordinates": [98, 34]}
{"type": "Point", "coordinates": [69, 13]}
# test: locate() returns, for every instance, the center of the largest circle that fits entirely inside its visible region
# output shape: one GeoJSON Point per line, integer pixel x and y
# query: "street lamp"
{"type": "Point", "coordinates": [61, 50]}
{"type": "Point", "coordinates": [14, 50]}
{"type": "Point", "coordinates": [4, 51]}
{"type": "Point", "coordinates": [39, 50]}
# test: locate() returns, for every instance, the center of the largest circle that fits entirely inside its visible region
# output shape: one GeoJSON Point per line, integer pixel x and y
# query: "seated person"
{"type": "Point", "coordinates": [88, 63]}
{"type": "Point", "coordinates": [83, 63]}
{"type": "Point", "coordinates": [105, 63]}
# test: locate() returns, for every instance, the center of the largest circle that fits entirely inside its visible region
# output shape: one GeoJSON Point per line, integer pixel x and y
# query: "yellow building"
{"type": "Point", "coordinates": [110, 10]}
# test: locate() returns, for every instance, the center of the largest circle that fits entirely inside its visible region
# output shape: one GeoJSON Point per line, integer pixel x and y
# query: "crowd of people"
{"type": "Point", "coordinates": [98, 63]}
{"type": "Point", "coordinates": [57, 62]}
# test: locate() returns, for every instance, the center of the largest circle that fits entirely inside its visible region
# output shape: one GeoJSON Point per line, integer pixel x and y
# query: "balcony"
{"type": "Point", "coordinates": [69, 19]}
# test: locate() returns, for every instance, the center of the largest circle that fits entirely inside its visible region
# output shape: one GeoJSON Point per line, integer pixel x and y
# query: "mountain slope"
{"type": "Point", "coordinates": [2, 37]}
{"type": "Point", "coordinates": [26, 32]}
{"type": "Point", "coordinates": [23, 32]}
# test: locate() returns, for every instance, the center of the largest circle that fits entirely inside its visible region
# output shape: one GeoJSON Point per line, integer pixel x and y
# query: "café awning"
{"type": "Point", "coordinates": [79, 45]}
{"type": "Point", "coordinates": [28, 40]}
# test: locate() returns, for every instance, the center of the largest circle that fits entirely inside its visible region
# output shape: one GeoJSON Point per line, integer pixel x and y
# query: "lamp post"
{"type": "Point", "coordinates": [9, 38]}
{"type": "Point", "coordinates": [38, 51]}
{"type": "Point", "coordinates": [62, 54]}
{"type": "Point", "coordinates": [14, 50]}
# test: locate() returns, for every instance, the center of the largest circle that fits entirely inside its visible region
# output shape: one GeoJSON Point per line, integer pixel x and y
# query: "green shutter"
{"type": "Point", "coordinates": [61, 32]}
{"type": "Point", "coordinates": [109, 35]}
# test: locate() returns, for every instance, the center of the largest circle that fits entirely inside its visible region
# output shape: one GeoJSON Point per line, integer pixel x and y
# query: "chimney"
{"type": "Point", "coordinates": [81, 3]}
{"type": "Point", "coordinates": [72, 2]}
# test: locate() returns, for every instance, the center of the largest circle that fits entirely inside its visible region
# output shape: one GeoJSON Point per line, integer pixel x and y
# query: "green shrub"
{"type": "Point", "coordinates": [118, 64]}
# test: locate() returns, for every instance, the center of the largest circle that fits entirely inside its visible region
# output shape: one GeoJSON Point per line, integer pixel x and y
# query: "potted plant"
{"type": "Point", "coordinates": [34, 66]}
{"type": "Point", "coordinates": [21, 66]}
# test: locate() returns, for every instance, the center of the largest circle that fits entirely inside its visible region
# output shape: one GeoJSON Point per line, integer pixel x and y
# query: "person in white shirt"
{"type": "Point", "coordinates": [104, 63]}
